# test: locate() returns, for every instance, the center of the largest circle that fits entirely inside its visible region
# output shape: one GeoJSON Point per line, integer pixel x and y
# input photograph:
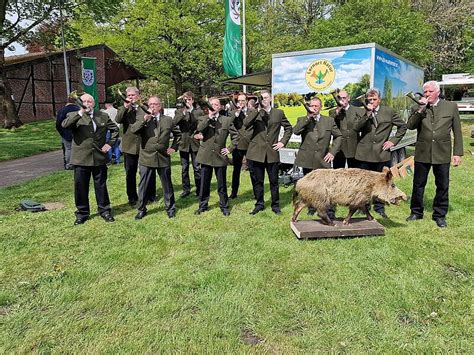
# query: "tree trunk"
{"type": "Point", "coordinates": [178, 81]}
{"type": "Point", "coordinates": [8, 106]}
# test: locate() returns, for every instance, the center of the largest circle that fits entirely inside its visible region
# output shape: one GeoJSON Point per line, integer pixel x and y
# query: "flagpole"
{"type": "Point", "coordinates": [244, 54]}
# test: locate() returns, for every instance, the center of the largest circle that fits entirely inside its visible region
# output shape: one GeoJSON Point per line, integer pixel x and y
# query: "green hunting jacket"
{"type": "Point", "coordinates": [265, 135]}
{"type": "Point", "coordinates": [87, 143]}
{"type": "Point", "coordinates": [155, 140]}
{"type": "Point", "coordinates": [372, 139]}
{"type": "Point", "coordinates": [345, 121]}
{"type": "Point", "coordinates": [243, 133]}
{"type": "Point", "coordinates": [187, 123]}
{"type": "Point", "coordinates": [215, 133]}
{"type": "Point", "coordinates": [434, 126]}
{"type": "Point", "coordinates": [316, 138]}
{"type": "Point", "coordinates": [127, 117]}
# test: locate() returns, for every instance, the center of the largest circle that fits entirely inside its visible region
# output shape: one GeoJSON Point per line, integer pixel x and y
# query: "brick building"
{"type": "Point", "coordinates": [38, 81]}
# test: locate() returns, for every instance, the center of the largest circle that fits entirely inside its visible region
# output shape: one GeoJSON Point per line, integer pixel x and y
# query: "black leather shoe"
{"type": "Point", "coordinates": [171, 214]}
{"type": "Point", "coordinates": [108, 217]}
{"type": "Point", "coordinates": [185, 194]}
{"type": "Point", "coordinates": [276, 211]}
{"type": "Point", "coordinates": [226, 213]}
{"type": "Point", "coordinates": [441, 222]}
{"type": "Point", "coordinates": [232, 196]}
{"type": "Point", "coordinates": [140, 215]}
{"type": "Point", "coordinates": [80, 220]}
{"type": "Point", "coordinates": [199, 211]}
{"type": "Point", "coordinates": [382, 214]}
{"type": "Point", "coordinates": [256, 210]}
{"type": "Point", "coordinates": [132, 203]}
{"type": "Point", "coordinates": [413, 217]}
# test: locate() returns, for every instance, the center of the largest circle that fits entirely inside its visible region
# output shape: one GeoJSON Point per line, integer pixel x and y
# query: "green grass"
{"type": "Point", "coordinates": [210, 284]}
{"type": "Point", "coordinates": [294, 112]}
{"type": "Point", "coordinates": [29, 139]}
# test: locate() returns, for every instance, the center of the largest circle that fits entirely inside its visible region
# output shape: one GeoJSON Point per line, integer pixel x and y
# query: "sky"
{"type": "Point", "coordinates": [19, 49]}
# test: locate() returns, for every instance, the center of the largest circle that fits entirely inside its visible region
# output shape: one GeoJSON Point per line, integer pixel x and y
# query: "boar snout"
{"type": "Point", "coordinates": [396, 200]}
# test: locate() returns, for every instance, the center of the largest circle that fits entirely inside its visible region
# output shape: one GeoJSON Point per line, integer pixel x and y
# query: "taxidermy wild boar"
{"type": "Point", "coordinates": [354, 188]}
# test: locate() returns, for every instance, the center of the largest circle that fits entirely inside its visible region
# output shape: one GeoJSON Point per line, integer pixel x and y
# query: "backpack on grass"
{"type": "Point", "coordinates": [32, 206]}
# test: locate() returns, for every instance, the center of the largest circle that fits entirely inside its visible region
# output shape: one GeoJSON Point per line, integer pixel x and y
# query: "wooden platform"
{"type": "Point", "coordinates": [314, 229]}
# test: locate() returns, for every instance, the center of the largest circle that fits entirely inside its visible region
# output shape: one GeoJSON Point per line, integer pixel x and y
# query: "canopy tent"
{"type": "Point", "coordinates": [261, 79]}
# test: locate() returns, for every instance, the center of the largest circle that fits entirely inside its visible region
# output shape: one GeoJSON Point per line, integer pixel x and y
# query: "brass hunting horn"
{"type": "Point", "coordinates": [139, 102]}
{"type": "Point", "coordinates": [75, 96]}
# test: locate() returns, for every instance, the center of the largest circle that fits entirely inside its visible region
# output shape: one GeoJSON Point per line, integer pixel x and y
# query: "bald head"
{"type": "Point", "coordinates": [88, 101]}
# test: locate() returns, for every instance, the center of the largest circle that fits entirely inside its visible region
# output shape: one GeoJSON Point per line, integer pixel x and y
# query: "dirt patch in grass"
{"type": "Point", "coordinates": [247, 336]}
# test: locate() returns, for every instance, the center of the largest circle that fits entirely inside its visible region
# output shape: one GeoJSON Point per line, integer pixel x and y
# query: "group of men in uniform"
{"type": "Point", "coordinates": [351, 136]}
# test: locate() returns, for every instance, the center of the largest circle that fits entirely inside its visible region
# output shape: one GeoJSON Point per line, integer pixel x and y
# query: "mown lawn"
{"type": "Point", "coordinates": [210, 284]}
{"type": "Point", "coordinates": [29, 139]}
{"type": "Point", "coordinates": [293, 112]}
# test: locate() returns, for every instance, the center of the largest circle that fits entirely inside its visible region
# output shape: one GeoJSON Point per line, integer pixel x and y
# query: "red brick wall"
{"type": "Point", "coordinates": [46, 96]}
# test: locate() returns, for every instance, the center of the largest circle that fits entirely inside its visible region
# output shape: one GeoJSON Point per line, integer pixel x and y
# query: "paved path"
{"type": "Point", "coordinates": [19, 170]}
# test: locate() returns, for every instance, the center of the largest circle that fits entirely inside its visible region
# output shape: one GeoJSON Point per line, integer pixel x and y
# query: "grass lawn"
{"type": "Point", "coordinates": [293, 112]}
{"type": "Point", "coordinates": [29, 139]}
{"type": "Point", "coordinates": [211, 284]}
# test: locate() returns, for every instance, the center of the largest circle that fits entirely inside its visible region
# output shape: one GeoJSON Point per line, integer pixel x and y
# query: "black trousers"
{"type": "Point", "coordinates": [82, 177]}
{"type": "Point", "coordinates": [131, 167]}
{"type": "Point", "coordinates": [148, 178]}
{"type": "Point", "coordinates": [257, 169]}
{"type": "Point", "coordinates": [375, 166]}
{"type": "Point", "coordinates": [205, 190]}
{"type": "Point", "coordinates": [441, 200]}
{"type": "Point", "coordinates": [185, 160]}
{"type": "Point", "coordinates": [237, 158]}
{"type": "Point", "coordinates": [340, 161]}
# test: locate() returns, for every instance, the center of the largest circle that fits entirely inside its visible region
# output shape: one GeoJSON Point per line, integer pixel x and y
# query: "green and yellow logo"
{"type": "Point", "coordinates": [320, 74]}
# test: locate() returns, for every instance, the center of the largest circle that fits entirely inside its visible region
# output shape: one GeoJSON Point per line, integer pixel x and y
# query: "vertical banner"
{"type": "Point", "coordinates": [89, 78]}
{"type": "Point", "coordinates": [232, 53]}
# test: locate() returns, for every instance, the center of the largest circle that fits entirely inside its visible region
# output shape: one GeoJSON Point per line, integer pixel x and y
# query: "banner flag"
{"type": "Point", "coordinates": [232, 53]}
{"type": "Point", "coordinates": [89, 78]}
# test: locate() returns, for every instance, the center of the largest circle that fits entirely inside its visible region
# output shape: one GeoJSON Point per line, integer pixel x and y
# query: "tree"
{"type": "Point", "coordinates": [387, 91]}
{"type": "Point", "coordinates": [179, 43]}
{"type": "Point", "coordinates": [357, 89]}
{"type": "Point", "coordinates": [451, 43]}
{"type": "Point", "coordinates": [19, 17]}
{"type": "Point", "coordinates": [392, 24]}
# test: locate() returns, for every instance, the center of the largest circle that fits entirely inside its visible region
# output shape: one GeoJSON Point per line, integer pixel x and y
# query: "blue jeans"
{"type": "Point", "coordinates": [115, 149]}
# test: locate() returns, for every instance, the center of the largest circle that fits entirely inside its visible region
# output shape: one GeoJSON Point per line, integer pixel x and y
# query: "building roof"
{"type": "Point", "coordinates": [116, 69]}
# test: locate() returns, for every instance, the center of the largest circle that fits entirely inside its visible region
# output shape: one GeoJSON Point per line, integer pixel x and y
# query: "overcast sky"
{"type": "Point", "coordinates": [19, 49]}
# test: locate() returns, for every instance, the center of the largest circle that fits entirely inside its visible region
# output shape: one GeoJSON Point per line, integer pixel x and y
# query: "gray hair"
{"type": "Point", "coordinates": [431, 83]}
{"type": "Point", "coordinates": [155, 97]}
{"type": "Point", "coordinates": [372, 92]}
{"type": "Point", "coordinates": [132, 88]}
